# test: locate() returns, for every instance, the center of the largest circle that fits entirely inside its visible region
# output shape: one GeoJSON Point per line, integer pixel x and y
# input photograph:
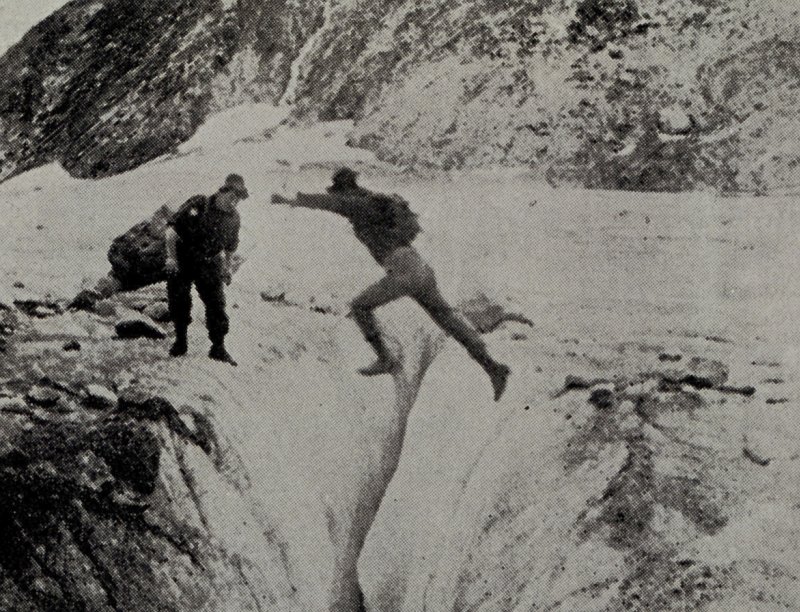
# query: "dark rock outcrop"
{"type": "Point", "coordinates": [72, 346]}
{"type": "Point", "coordinates": [105, 86]}
{"type": "Point", "coordinates": [139, 327]}
{"type": "Point", "coordinates": [137, 257]}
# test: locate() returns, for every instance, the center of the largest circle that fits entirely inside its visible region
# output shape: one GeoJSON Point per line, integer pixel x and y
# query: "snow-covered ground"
{"type": "Point", "coordinates": [603, 276]}
{"type": "Point", "coordinates": [16, 18]}
{"type": "Point", "coordinates": [610, 264]}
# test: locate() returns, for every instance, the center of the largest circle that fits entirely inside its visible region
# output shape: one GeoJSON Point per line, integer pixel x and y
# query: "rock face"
{"type": "Point", "coordinates": [582, 91]}
{"type": "Point", "coordinates": [105, 86]}
{"type": "Point", "coordinates": [158, 311]}
{"type": "Point", "coordinates": [675, 122]}
{"type": "Point", "coordinates": [137, 256]}
{"type": "Point", "coordinates": [104, 518]}
{"type": "Point", "coordinates": [100, 397]}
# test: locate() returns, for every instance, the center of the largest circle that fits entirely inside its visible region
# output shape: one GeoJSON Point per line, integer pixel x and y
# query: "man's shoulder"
{"type": "Point", "coordinates": [227, 217]}
{"type": "Point", "coordinates": [379, 196]}
{"type": "Point", "coordinates": [196, 204]}
{"type": "Point", "coordinates": [233, 216]}
{"type": "Point", "coordinates": [362, 196]}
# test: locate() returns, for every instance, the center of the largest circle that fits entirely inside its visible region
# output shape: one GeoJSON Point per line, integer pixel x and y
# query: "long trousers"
{"type": "Point", "coordinates": [408, 275]}
{"type": "Point", "coordinates": [207, 276]}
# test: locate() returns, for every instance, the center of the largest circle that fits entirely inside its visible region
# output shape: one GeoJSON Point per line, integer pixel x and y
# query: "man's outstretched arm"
{"type": "Point", "coordinates": [318, 201]}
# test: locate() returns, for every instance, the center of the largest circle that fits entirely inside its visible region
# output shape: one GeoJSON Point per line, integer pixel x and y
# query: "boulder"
{"type": "Point", "coordinates": [134, 399]}
{"type": "Point", "coordinates": [485, 315]}
{"type": "Point", "coordinates": [45, 397]}
{"type": "Point", "coordinates": [137, 256]}
{"type": "Point", "coordinates": [699, 373]}
{"type": "Point", "coordinates": [274, 296]}
{"type": "Point", "coordinates": [712, 373]}
{"type": "Point", "coordinates": [108, 286]}
{"type": "Point", "coordinates": [71, 346]}
{"type": "Point", "coordinates": [105, 308]}
{"type": "Point", "coordinates": [139, 327]}
{"type": "Point", "coordinates": [14, 405]}
{"type": "Point", "coordinates": [98, 396]}
{"type": "Point", "coordinates": [675, 122]}
{"type": "Point", "coordinates": [158, 311]}
{"type": "Point", "coordinates": [87, 299]}
{"type": "Point", "coordinates": [39, 309]}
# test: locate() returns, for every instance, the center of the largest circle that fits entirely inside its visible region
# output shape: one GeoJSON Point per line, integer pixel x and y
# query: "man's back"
{"type": "Point", "coordinates": [381, 222]}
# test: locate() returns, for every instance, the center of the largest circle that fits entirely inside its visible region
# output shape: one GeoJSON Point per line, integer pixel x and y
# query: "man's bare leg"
{"type": "Point", "coordinates": [431, 299]}
{"type": "Point", "coordinates": [381, 293]}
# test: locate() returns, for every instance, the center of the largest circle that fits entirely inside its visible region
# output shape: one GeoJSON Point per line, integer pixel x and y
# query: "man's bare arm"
{"type": "Point", "coordinates": [317, 201]}
{"type": "Point", "coordinates": [280, 199]}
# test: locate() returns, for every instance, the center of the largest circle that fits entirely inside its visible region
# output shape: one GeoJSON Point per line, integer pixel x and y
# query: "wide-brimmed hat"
{"type": "Point", "coordinates": [235, 183]}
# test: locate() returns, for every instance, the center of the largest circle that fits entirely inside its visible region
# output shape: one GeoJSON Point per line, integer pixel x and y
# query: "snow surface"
{"type": "Point", "coordinates": [596, 271]}
{"type": "Point", "coordinates": [16, 18]}
{"type": "Point", "coordinates": [232, 125]}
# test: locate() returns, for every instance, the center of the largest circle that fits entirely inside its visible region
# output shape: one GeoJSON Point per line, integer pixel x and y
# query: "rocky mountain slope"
{"type": "Point", "coordinates": [103, 86]}
{"type": "Point", "coordinates": [630, 94]}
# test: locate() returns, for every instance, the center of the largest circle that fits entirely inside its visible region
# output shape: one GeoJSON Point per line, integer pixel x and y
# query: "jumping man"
{"type": "Point", "coordinates": [387, 227]}
{"type": "Point", "coordinates": [201, 238]}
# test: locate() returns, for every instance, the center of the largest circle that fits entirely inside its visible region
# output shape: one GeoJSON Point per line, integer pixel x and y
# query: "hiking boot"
{"type": "Point", "coordinates": [384, 365]}
{"type": "Point", "coordinates": [218, 353]}
{"type": "Point", "coordinates": [498, 374]}
{"type": "Point", "coordinates": [178, 348]}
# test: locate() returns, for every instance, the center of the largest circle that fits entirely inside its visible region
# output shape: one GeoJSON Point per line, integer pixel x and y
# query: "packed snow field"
{"type": "Point", "coordinates": [492, 506]}
{"type": "Point", "coordinates": [581, 262]}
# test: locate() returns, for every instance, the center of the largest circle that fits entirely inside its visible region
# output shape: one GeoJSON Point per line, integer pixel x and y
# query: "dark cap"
{"type": "Point", "coordinates": [235, 183]}
{"type": "Point", "coordinates": [345, 177]}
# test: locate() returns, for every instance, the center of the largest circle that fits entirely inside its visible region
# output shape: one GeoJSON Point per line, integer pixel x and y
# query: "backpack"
{"type": "Point", "coordinates": [403, 224]}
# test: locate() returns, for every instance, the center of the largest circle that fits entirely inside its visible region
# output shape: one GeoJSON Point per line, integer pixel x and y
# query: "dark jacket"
{"type": "Point", "coordinates": [373, 219]}
{"type": "Point", "coordinates": [204, 230]}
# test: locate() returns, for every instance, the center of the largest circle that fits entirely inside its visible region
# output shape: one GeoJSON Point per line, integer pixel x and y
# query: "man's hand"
{"type": "Point", "coordinates": [171, 267]}
{"type": "Point", "coordinates": [279, 199]}
{"type": "Point", "coordinates": [226, 267]}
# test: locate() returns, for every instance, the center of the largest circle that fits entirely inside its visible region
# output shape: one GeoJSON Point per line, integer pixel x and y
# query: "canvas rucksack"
{"type": "Point", "coordinates": [402, 221]}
